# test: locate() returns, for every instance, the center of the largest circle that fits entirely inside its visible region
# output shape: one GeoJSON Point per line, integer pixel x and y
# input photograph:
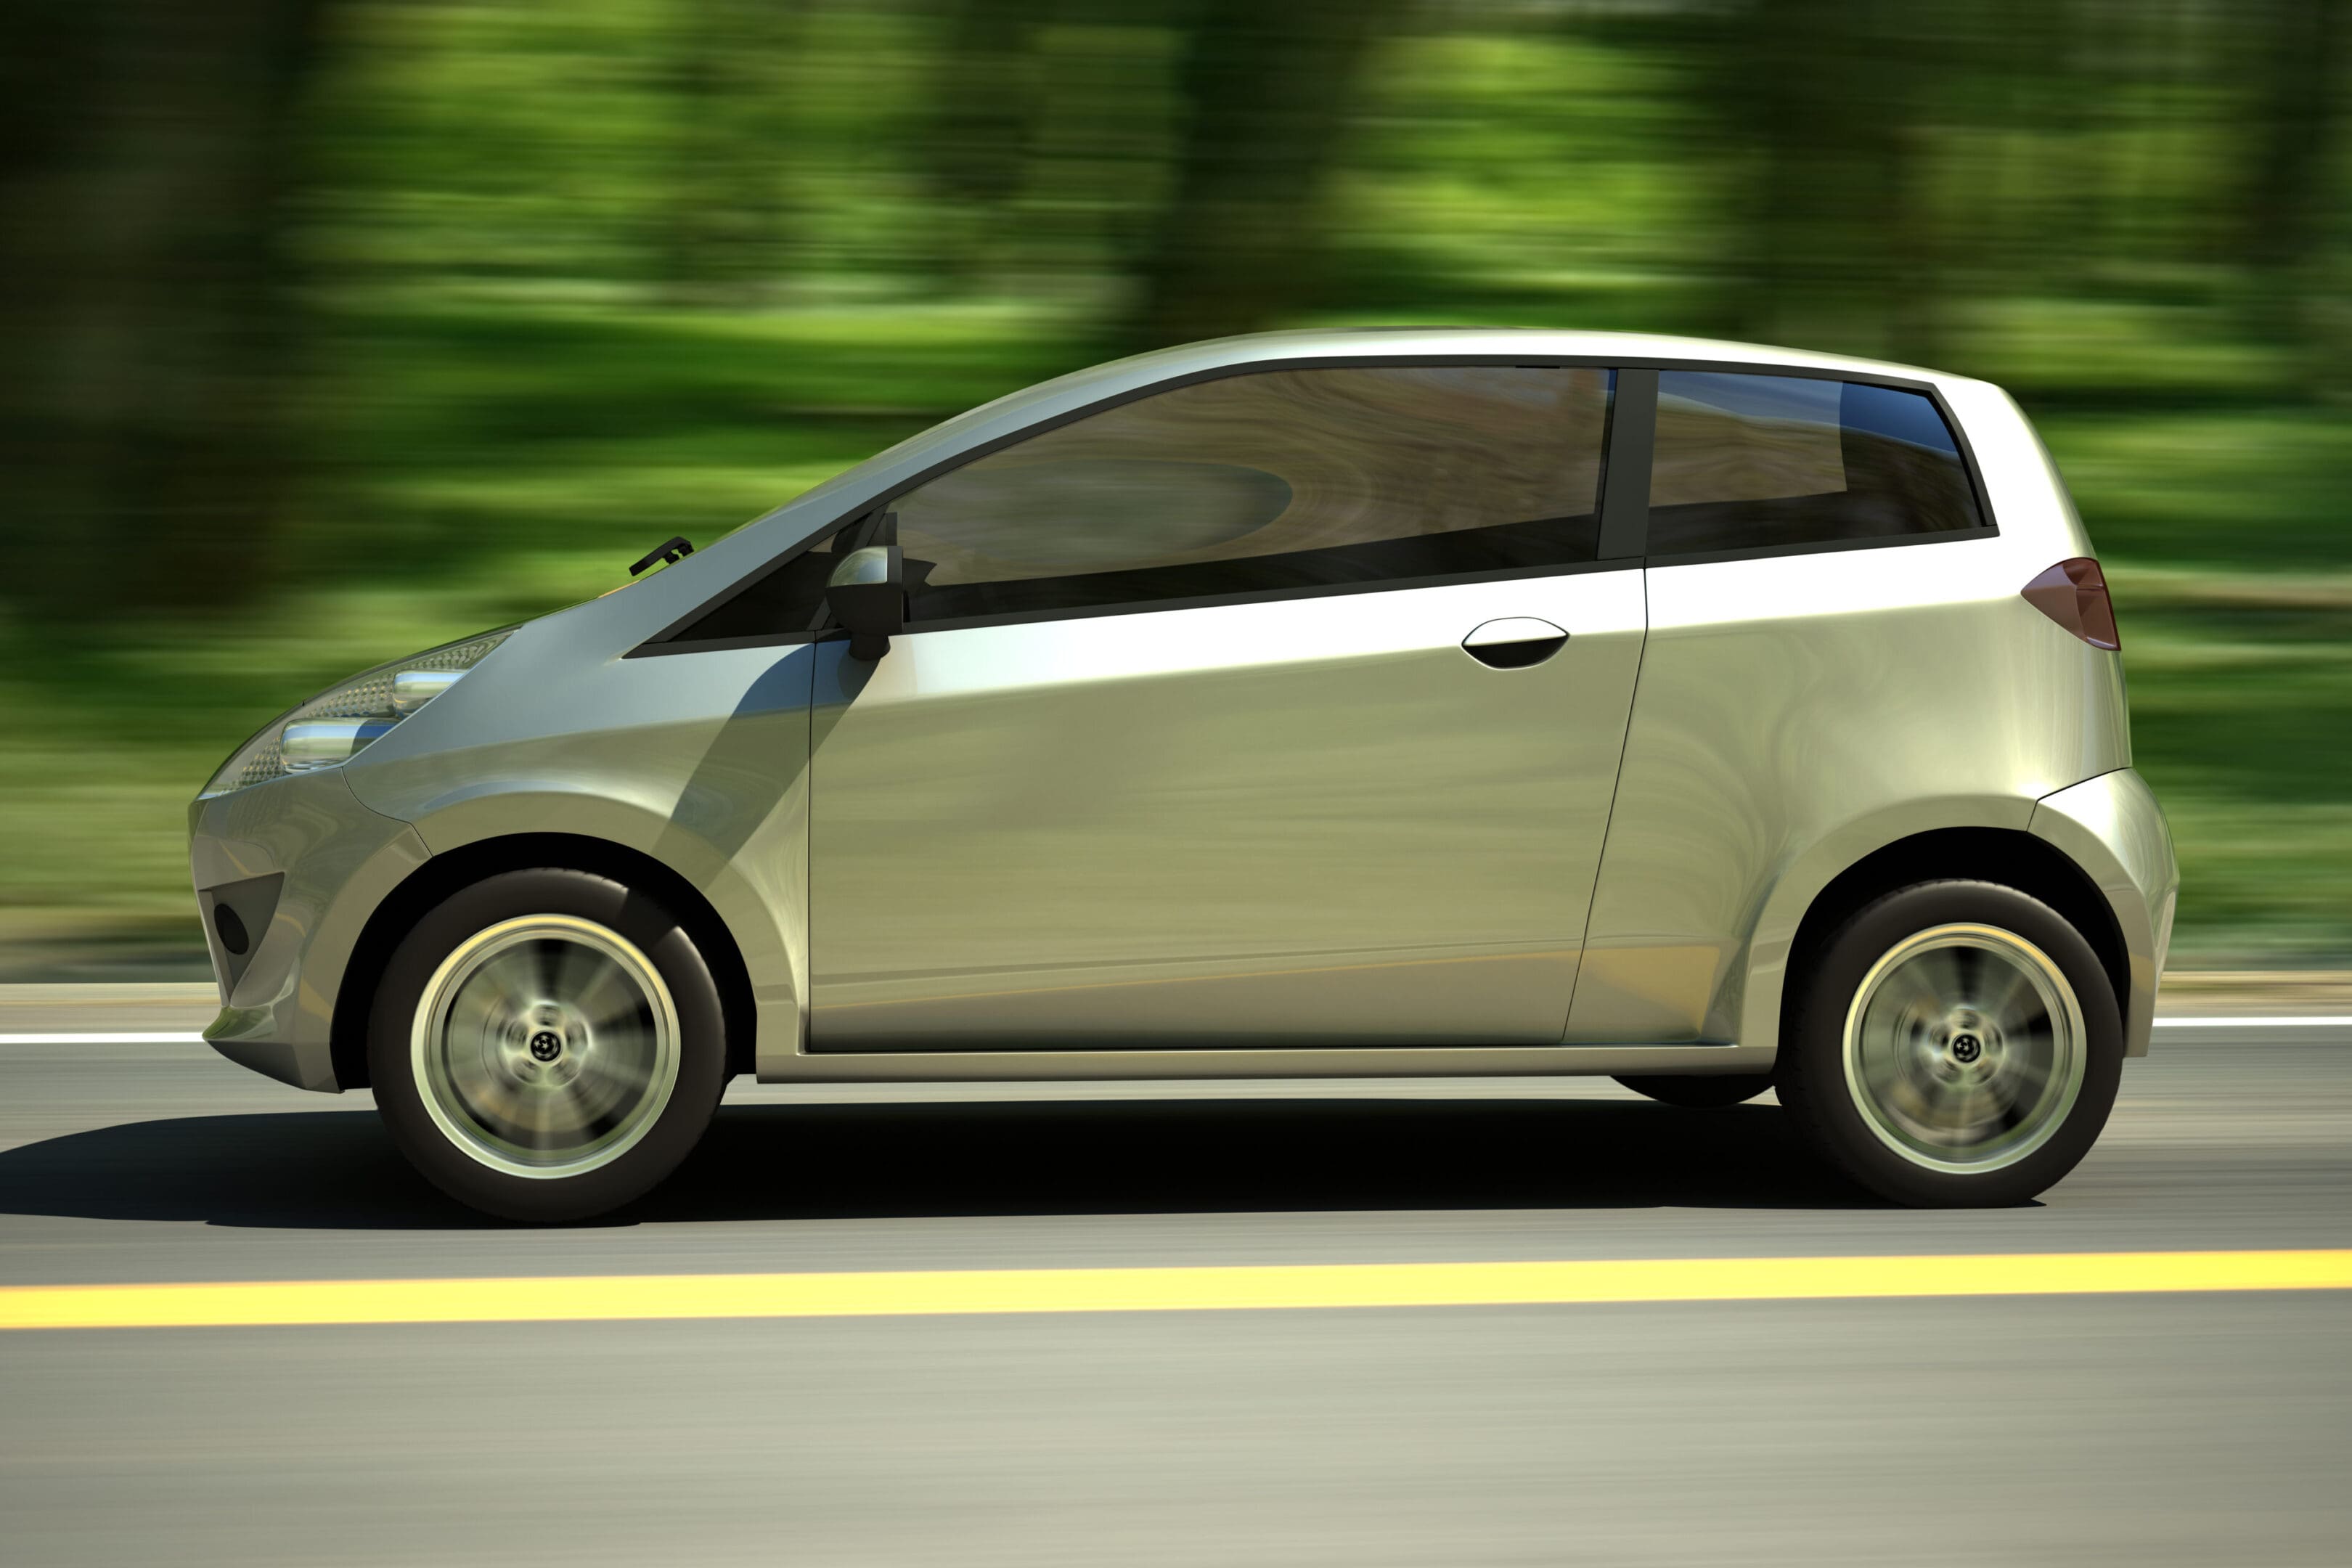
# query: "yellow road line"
{"type": "Point", "coordinates": [675, 1296]}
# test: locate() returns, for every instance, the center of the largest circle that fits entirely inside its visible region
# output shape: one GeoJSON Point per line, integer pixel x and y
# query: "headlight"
{"type": "Point", "coordinates": [334, 726]}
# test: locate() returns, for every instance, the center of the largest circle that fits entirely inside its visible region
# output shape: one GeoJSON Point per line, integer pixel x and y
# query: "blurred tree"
{"type": "Point", "coordinates": [721, 222]}
{"type": "Point", "coordinates": [1843, 242]}
{"type": "Point", "coordinates": [2158, 70]}
{"type": "Point", "coordinates": [150, 172]}
{"type": "Point", "coordinates": [1265, 92]}
{"type": "Point", "coordinates": [2087, 52]}
{"type": "Point", "coordinates": [981, 92]}
{"type": "Point", "coordinates": [2291, 179]}
{"type": "Point", "coordinates": [1098, 137]}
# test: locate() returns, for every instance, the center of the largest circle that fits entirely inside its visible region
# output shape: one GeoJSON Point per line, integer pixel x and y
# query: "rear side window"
{"type": "Point", "coordinates": [1269, 480]}
{"type": "Point", "coordinates": [1749, 461]}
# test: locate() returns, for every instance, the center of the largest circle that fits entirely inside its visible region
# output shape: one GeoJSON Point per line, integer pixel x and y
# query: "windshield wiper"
{"type": "Point", "coordinates": [668, 553]}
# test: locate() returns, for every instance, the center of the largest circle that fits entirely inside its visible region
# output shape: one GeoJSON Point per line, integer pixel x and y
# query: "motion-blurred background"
{"type": "Point", "coordinates": [330, 328]}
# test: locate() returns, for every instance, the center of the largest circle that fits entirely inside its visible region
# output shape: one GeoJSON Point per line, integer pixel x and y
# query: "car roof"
{"type": "Point", "coordinates": [1353, 342]}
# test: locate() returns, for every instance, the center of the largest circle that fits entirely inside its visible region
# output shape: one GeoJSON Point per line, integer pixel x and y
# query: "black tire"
{"type": "Point", "coordinates": [1694, 1092]}
{"type": "Point", "coordinates": [1811, 1072]}
{"type": "Point", "coordinates": [664, 1130]}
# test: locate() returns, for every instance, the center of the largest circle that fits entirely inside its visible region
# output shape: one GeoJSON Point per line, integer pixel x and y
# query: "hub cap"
{"type": "Point", "coordinates": [545, 1046]}
{"type": "Point", "coordinates": [1964, 1049]}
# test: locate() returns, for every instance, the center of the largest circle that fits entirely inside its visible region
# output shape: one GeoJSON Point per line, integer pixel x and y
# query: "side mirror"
{"type": "Point", "coordinates": [867, 593]}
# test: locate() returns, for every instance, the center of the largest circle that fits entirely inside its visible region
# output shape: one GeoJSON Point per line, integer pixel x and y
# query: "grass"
{"type": "Point", "coordinates": [521, 450]}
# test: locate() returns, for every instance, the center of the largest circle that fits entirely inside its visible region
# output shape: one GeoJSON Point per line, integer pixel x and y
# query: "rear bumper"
{"type": "Point", "coordinates": [326, 862]}
{"type": "Point", "coordinates": [2113, 829]}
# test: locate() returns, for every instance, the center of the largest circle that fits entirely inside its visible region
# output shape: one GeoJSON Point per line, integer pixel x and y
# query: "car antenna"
{"type": "Point", "coordinates": [668, 553]}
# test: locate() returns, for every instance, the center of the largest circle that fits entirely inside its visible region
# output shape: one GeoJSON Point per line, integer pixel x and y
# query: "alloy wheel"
{"type": "Point", "coordinates": [546, 1046]}
{"type": "Point", "coordinates": [1964, 1049]}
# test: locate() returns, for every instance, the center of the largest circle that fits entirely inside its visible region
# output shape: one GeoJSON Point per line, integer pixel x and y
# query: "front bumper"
{"type": "Point", "coordinates": [2113, 827]}
{"type": "Point", "coordinates": [334, 861]}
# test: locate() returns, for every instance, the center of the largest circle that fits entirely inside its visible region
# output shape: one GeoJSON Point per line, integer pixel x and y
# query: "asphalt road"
{"type": "Point", "coordinates": [2194, 1428]}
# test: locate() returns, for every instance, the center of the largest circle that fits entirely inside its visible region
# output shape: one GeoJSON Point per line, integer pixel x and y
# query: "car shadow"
{"type": "Point", "coordinates": [339, 1170]}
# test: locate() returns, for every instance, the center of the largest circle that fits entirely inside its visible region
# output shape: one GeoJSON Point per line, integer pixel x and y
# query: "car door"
{"type": "Point", "coordinates": [1809, 663]}
{"type": "Point", "coordinates": [1184, 745]}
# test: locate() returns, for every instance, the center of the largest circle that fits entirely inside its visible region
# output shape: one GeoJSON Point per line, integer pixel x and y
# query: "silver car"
{"type": "Point", "coordinates": [1391, 702]}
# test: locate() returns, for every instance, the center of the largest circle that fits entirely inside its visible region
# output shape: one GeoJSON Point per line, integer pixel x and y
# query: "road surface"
{"type": "Point", "coordinates": [2124, 1427]}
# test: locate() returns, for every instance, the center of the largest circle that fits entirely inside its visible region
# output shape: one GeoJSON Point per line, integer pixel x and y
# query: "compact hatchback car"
{"type": "Point", "coordinates": [1406, 702]}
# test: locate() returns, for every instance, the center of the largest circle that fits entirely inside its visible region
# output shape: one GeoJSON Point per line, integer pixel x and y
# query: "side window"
{"type": "Point", "coordinates": [789, 599]}
{"type": "Point", "coordinates": [1268, 479]}
{"type": "Point", "coordinates": [1743, 462]}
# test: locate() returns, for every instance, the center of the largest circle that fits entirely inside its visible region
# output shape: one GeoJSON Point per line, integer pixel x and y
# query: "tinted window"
{"type": "Point", "coordinates": [789, 599]}
{"type": "Point", "coordinates": [1269, 480]}
{"type": "Point", "coordinates": [1750, 461]}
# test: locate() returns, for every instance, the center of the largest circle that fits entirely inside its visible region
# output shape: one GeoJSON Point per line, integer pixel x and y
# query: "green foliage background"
{"type": "Point", "coordinates": [337, 328]}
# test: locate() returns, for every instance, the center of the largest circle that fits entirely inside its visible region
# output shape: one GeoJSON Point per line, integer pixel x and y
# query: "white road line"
{"type": "Point", "coordinates": [2254, 1023]}
{"type": "Point", "coordinates": [189, 1037]}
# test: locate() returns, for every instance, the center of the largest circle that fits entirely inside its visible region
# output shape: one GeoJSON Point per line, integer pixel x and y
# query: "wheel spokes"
{"type": "Point", "coordinates": [1965, 1047]}
{"type": "Point", "coordinates": [546, 1045]}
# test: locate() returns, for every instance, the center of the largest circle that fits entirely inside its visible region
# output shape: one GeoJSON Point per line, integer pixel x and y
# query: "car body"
{"type": "Point", "coordinates": [1567, 794]}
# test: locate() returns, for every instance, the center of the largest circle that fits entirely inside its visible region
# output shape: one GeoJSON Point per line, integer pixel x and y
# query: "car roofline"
{"type": "Point", "coordinates": [782, 528]}
{"type": "Point", "coordinates": [1352, 343]}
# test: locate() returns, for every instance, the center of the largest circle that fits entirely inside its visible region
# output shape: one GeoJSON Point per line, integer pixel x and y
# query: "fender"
{"type": "Point", "coordinates": [1753, 988]}
{"type": "Point", "coordinates": [757, 889]}
{"type": "Point", "coordinates": [2113, 829]}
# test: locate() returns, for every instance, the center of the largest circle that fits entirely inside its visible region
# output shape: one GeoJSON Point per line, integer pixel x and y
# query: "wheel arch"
{"type": "Point", "coordinates": [2010, 856]}
{"type": "Point", "coordinates": [444, 874]}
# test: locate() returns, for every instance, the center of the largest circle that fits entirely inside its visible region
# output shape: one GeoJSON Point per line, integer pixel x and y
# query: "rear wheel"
{"type": "Point", "coordinates": [1697, 1093]}
{"type": "Point", "coordinates": [1954, 1044]}
{"type": "Point", "coordinates": [547, 1044]}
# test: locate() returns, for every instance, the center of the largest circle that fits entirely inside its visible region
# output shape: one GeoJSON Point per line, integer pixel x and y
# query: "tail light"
{"type": "Point", "coordinates": [2075, 594]}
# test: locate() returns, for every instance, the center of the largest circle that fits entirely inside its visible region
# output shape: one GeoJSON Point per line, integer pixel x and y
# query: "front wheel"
{"type": "Point", "coordinates": [1954, 1044]}
{"type": "Point", "coordinates": [547, 1044]}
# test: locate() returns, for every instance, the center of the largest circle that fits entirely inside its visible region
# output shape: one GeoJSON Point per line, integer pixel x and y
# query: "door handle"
{"type": "Point", "coordinates": [1514, 643]}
